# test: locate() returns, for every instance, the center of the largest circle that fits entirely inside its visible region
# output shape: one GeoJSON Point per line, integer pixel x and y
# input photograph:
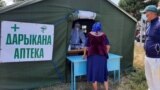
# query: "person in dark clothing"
{"type": "Point", "coordinates": [96, 52]}
{"type": "Point", "coordinates": [152, 48]}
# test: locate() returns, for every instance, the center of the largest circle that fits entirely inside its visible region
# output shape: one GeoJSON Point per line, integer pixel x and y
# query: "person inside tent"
{"type": "Point", "coordinates": [78, 38]}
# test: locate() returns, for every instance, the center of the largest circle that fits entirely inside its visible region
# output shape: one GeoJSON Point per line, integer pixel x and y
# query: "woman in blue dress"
{"type": "Point", "coordinates": [96, 52]}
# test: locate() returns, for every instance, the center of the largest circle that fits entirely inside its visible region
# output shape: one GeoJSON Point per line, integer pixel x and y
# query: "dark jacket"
{"type": "Point", "coordinates": [152, 43]}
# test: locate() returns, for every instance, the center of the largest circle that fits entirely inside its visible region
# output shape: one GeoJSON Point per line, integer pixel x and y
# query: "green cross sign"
{"type": "Point", "coordinates": [15, 27]}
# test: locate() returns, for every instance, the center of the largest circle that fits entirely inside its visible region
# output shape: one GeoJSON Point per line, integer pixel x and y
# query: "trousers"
{"type": "Point", "coordinates": [152, 72]}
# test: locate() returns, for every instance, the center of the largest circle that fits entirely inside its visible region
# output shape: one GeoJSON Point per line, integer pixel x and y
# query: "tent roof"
{"type": "Point", "coordinates": [29, 2]}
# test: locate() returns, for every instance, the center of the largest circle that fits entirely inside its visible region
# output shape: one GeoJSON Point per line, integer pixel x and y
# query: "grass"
{"type": "Point", "coordinates": [130, 80]}
{"type": "Point", "coordinates": [133, 79]}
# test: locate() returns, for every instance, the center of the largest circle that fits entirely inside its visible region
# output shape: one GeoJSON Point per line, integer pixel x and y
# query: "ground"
{"type": "Point", "coordinates": [130, 80]}
{"type": "Point", "coordinates": [139, 55]}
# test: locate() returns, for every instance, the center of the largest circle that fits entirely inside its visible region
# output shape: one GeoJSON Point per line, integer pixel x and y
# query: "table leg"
{"type": "Point", "coordinates": [114, 75]}
{"type": "Point", "coordinates": [119, 76]}
{"type": "Point", "coordinates": [72, 76]}
{"type": "Point", "coordinates": [74, 82]}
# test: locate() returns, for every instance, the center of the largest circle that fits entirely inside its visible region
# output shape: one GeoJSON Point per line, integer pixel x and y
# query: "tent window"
{"type": "Point", "coordinates": [86, 27]}
{"type": "Point", "coordinates": [86, 24]}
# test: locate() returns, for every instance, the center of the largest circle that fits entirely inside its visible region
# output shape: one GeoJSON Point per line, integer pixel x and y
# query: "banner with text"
{"type": "Point", "coordinates": [26, 42]}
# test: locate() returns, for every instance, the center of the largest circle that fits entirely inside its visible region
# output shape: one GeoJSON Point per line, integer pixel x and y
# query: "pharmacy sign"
{"type": "Point", "coordinates": [22, 42]}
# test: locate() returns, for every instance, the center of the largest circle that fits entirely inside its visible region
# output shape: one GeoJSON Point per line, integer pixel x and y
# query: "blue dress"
{"type": "Point", "coordinates": [97, 58]}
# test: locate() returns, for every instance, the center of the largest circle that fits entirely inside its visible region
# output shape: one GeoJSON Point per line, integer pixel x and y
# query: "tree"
{"type": "Point", "coordinates": [2, 3]}
{"type": "Point", "coordinates": [153, 2]}
{"type": "Point", "coordinates": [133, 7]}
{"type": "Point", "coordinates": [18, 1]}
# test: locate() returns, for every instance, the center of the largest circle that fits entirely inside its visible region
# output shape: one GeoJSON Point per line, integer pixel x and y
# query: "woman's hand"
{"type": "Point", "coordinates": [84, 53]}
{"type": "Point", "coordinates": [108, 48]}
{"type": "Point", "coordinates": [84, 56]}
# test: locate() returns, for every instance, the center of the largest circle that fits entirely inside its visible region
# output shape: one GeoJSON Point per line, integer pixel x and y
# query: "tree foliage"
{"type": "Point", "coordinates": [18, 1]}
{"type": "Point", "coordinates": [2, 3]}
{"type": "Point", "coordinates": [133, 7]}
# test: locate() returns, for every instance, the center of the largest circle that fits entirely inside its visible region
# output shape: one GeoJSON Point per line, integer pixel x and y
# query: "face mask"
{"type": "Point", "coordinates": [77, 28]}
{"type": "Point", "coordinates": [144, 17]}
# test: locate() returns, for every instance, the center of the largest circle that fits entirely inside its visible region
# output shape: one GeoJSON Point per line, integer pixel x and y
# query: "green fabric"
{"type": "Point", "coordinates": [118, 26]}
{"type": "Point", "coordinates": [120, 31]}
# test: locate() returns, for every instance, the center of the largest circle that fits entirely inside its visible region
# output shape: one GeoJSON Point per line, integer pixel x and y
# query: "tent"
{"type": "Point", "coordinates": [117, 24]}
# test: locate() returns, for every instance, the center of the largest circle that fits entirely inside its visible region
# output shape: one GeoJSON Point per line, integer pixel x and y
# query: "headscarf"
{"type": "Point", "coordinates": [97, 27]}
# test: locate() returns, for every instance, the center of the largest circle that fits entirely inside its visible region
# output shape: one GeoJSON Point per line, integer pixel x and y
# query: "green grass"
{"type": "Point", "coordinates": [130, 80]}
{"type": "Point", "coordinates": [134, 80]}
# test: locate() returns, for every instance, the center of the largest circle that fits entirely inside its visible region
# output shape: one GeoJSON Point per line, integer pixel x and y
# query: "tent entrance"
{"type": "Point", "coordinates": [86, 19]}
{"type": "Point", "coordinates": [86, 25]}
